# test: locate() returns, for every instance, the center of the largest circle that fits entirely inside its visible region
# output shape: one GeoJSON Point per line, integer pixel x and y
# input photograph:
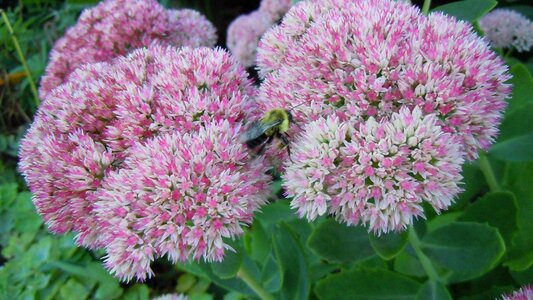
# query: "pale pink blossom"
{"type": "Point", "coordinates": [524, 293]}
{"type": "Point", "coordinates": [374, 173]}
{"type": "Point", "coordinates": [115, 27]}
{"type": "Point", "coordinates": [85, 127]}
{"type": "Point", "coordinates": [180, 196]}
{"type": "Point", "coordinates": [276, 9]}
{"type": "Point", "coordinates": [190, 28]}
{"type": "Point", "coordinates": [361, 59]}
{"type": "Point", "coordinates": [244, 34]}
{"type": "Point", "coordinates": [505, 28]}
{"type": "Point", "coordinates": [246, 30]}
{"type": "Point", "coordinates": [171, 297]}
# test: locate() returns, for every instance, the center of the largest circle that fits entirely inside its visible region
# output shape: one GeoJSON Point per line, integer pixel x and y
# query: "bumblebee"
{"type": "Point", "coordinates": [274, 124]}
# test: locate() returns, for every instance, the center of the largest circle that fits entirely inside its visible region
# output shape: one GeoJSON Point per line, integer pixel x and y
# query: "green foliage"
{"type": "Point", "coordinates": [519, 113]}
{"type": "Point", "coordinates": [367, 284]}
{"type": "Point", "coordinates": [467, 10]}
{"type": "Point", "coordinates": [515, 149]}
{"type": "Point", "coordinates": [340, 243]}
{"type": "Point", "coordinates": [389, 245]}
{"type": "Point", "coordinates": [467, 249]}
{"type": "Point", "coordinates": [498, 209]}
{"type": "Point", "coordinates": [432, 290]}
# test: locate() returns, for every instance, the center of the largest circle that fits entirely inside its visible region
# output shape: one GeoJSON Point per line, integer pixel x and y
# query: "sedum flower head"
{"type": "Point", "coordinates": [374, 173]}
{"type": "Point", "coordinates": [505, 28]}
{"type": "Point", "coordinates": [369, 58]}
{"type": "Point", "coordinates": [190, 28]}
{"type": "Point", "coordinates": [171, 297]}
{"type": "Point", "coordinates": [276, 9]}
{"type": "Point", "coordinates": [180, 196]}
{"type": "Point", "coordinates": [246, 30]}
{"type": "Point", "coordinates": [114, 28]}
{"type": "Point", "coordinates": [86, 128]}
{"type": "Point", "coordinates": [525, 293]}
{"type": "Point", "coordinates": [244, 34]}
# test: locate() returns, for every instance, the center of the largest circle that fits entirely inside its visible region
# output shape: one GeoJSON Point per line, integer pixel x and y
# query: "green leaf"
{"type": "Point", "coordinates": [514, 149]}
{"type": "Point", "coordinates": [367, 284]}
{"type": "Point", "coordinates": [340, 243]}
{"type": "Point", "coordinates": [72, 289]}
{"type": "Point", "coordinates": [389, 245]}
{"type": "Point", "coordinates": [519, 178]}
{"type": "Point", "coordinates": [519, 113]}
{"type": "Point", "coordinates": [468, 249]}
{"type": "Point", "coordinates": [137, 292]}
{"type": "Point", "coordinates": [27, 219]}
{"type": "Point", "coordinates": [432, 290]}
{"type": "Point", "coordinates": [273, 213]}
{"type": "Point", "coordinates": [291, 261]}
{"type": "Point", "coordinates": [231, 284]}
{"type": "Point", "coordinates": [261, 244]}
{"type": "Point", "coordinates": [108, 291]}
{"type": "Point", "coordinates": [229, 267]}
{"type": "Point", "coordinates": [185, 282]}
{"type": "Point", "coordinates": [75, 269]}
{"type": "Point", "coordinates": [8, 194]}
{"type": "Point", "coordinates": [523, 277]}
{"type": "Point", "coordinates": [271, 275]}
{"type": "Point", "coordinates": [498, 209]}
{"type": "Point", "coordinates": [408, 264]}
{"type": "Point", "coordinates": [473, 186]}
{"type": "Point", "coordinates": [468, 10]}
{"type": "Point", "coordinates": [200, 297]}
{"type": "Point", "coordinates": [443, 220]}
{"type": "Point", "coordinates": [201, 286]}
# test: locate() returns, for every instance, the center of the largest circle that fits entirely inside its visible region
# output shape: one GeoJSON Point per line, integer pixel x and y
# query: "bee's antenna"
{"type": "Point", "coordinates": [297, 106]}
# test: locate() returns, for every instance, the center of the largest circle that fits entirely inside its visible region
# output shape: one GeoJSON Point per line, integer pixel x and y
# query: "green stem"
{"type": "Point", "coordinates": [245, 275]}
{"type": "Point", "coordinates": [424, 260]}
{"type": "Point", "coordinates": [21, 57]}
{"type": "Point", "coordinates": [509, 52]}
{"type": "Point", "coordinates": [486, 169]}
{"type": "Point", "coordinates": [425, 6]}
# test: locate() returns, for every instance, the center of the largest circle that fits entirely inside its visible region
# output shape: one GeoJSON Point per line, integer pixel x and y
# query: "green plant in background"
{"type": "Point", "coordinates": [478, 249]}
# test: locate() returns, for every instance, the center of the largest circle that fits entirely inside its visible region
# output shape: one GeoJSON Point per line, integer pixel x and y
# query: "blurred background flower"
{"type": "Point", "coordinates": [246, 30]}
{"type": "Point", "coordinates": [505, 28]}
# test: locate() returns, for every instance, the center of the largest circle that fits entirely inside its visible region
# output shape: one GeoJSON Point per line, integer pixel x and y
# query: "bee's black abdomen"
{"type": "Point", "coordinates": [253, 143]}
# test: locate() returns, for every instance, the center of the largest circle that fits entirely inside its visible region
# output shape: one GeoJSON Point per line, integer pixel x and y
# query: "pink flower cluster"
{"type": "Point", "coordinates": [368, 66]}
{"type": "Point", "coordinates": [505, 28]}
{"type": "Point", "coordinates": [376, 173]}
{"type": "Point", "coordinates": [525, 293]}
{"type": "Point", "coordinates": [246, 30]}
{"type": "Point", "coordinates": [171, 297]}
{"type": "Point", "coordinates": [275, 9]}
{"type": "Point", "coordinates": [115, 27]}
{"type": "Point", "coordinates": [138, 156]}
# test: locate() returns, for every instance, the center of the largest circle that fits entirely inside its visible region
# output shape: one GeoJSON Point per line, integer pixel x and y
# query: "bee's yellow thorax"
{"type": "Point", "coordinates": [276, 115]}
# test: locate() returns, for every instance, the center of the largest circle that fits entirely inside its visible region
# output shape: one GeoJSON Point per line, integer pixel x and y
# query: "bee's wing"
{"type": "Point", "coordinates": [256, 129]}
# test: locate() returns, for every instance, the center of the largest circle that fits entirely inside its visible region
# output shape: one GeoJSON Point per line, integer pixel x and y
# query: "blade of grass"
{"type": "Point", "coordinates": [21, 57]}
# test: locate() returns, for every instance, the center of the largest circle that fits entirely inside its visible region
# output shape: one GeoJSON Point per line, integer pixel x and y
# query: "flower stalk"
{"type": "Point", "coordinates": [486, 169]}
{"type": "Point", "coordinates": [425, 6]}
{"type": "Point", "coordinates": [244, 275]}
{"type": "Point", "coordinates": [424, 260]}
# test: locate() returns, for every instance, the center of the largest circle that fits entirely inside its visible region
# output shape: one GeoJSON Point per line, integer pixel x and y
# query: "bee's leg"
{"type": "Point", "coordinates": [285, 141]}
{"type": "Point", "coordinates": [263, 146]}
{"type": "Point", "coordinates": [298, 125]}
